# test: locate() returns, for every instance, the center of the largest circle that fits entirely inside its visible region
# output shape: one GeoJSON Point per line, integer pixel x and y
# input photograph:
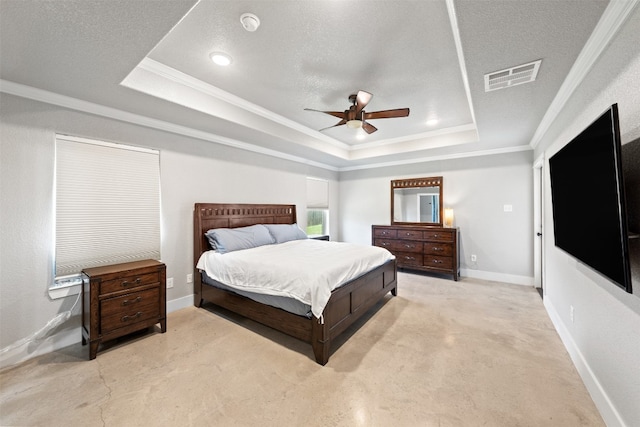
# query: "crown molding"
{"type": "Point", "coordinates": [610, 22]}
{"type": "Point", "coordinates": [64, 101]}
{"type": "Point", "coordinates": [52, 98]}
{"type": "Point", "coordinates": [491, 152]}
{"type": "Point", "coordinates": [181, 78]}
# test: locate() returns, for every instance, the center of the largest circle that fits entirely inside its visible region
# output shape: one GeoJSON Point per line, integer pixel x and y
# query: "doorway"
{"type": "Point", "coordinates": [538, 225]}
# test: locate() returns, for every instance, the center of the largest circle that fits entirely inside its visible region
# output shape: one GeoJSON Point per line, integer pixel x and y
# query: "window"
{"type": "Point", "coordinates": [107, 205]}
{"type": "Point", "coordinates": [317, 207]}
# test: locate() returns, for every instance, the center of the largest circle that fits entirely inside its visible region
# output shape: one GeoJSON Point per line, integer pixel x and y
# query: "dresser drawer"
{"type": "Point", "coordinates": [405, 259]}
{"type": "Point", "coordinates": [406, 246]}
{"type": "Point", "coordinates": [385, 232]}
{"type": "Point", "coordinates": [129, 316]}
{"type": "Point", "coordinates": [410, 234]}
{"type": "Point", "coordinates": [438, 262]}
{"type": "Point", "coordinates": [384, 243]}
{"type": "Point", "coordinates": [438, 249]}
{"type": "Point", "coordinates": [129, 282]}
{"type": "Point", "coordinates": [439, 235]}
{"type": "Point", "coordinates": [129, 302]}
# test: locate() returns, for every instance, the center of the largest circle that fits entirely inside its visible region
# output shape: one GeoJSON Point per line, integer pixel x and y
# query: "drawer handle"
{"type": "Point", "coordinates": [384, 233]}
{"type": "Point", "coordinates": [436, 236]}
{"type": "Point", "coordinates": [407, 234]}
{"type": "Point", "coordinates": [384, 243]}
{"type": "Point", "coordinates": [135, 282]}
{"type": "Point", "coordinates": [131, 301]}
{"type": "Point", "coordinates": [409, 258]}
{"type": "Point", "coordinates": [437, 261]}
{"type": "Point", "coordinates": [133, 317]}
{"type": "Point", "coordinates": [409, 246]}
{"type": "Point", "coordinates": [438, 249]}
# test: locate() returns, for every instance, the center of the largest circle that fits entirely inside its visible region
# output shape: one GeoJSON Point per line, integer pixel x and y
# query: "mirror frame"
{"type": "Point", "coordinates": [434, 181]}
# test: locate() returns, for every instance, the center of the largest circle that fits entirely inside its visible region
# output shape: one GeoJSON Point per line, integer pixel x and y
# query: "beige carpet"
{"type": "Point", "coordinates": [441, 353]}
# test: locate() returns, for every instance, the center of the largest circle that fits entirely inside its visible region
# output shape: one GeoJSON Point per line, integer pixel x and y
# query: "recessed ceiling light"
{"type": "Point", "coordinates": [220, 58]}
{"type": "Point", "coordinates": [432, 122]}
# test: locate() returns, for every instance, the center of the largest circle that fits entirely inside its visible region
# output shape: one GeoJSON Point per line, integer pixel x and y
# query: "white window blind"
{"type": "Point", "coordinates": [107, 204]}
{"type": "Point", "coordinates": [317, 193]}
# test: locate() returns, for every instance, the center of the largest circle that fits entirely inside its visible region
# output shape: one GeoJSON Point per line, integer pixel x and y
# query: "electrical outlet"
{"type": "Point", "coordinates": [170, 282]}
{"type": "Point", "coordinates": [474, 258]}
{"type": "Point", "coordinates": [189, 278]}
{"type": "Point", "coordinates": [571, 312]}
{"type": "Point", "coordinates": [508, 208]}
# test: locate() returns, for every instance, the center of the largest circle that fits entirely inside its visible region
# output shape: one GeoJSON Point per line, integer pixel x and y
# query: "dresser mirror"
{"type": "Point", "coordinates": [417, 201]}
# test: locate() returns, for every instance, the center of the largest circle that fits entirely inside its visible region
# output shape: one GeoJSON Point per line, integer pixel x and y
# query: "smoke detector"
{"type": "Point", "coordinates": [249, 21]}
{"type": "Point", "coordinates": [513, 76]}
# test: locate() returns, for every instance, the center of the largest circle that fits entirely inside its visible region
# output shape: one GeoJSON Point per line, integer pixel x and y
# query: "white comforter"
{"type": "Point", "coordinates": [307, 270]}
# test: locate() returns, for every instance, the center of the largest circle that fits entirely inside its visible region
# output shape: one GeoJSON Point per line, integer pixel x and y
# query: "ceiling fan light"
{"type": "Point", "coordinates": [354, 124]}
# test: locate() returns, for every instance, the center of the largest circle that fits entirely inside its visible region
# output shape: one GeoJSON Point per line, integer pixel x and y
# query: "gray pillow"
{"type": "Point", "coordinates": [225, 240]}
{"type": "Point", "coordinates": [286, 232]}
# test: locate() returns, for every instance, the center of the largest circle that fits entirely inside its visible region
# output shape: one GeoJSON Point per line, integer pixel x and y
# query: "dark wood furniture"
{"type": "Point", "coordinates": [347, 303]}
{"type": "Point", "coordinates": [120, 299]}
{"type": "Point", "coordinates": [433, 249]}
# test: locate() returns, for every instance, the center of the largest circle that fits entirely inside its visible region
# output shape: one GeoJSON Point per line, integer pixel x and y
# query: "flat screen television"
{"type": "Point", "coordinates": [587, 192]}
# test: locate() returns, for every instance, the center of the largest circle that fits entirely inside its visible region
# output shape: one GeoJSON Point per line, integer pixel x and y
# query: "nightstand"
{"type": "Point", "coordinates": [120, 299]}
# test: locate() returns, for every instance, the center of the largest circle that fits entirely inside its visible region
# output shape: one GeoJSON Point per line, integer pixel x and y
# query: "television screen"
{"type": "Point", "coordinates": [587, 193]}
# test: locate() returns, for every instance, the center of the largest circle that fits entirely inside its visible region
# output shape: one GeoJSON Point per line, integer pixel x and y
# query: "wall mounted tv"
{"type": "Point", "coordinates": [587, 192]}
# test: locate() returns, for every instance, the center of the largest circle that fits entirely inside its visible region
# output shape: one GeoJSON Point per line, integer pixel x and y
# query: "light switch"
{"type": "Point", "coordinates": [508, 208]}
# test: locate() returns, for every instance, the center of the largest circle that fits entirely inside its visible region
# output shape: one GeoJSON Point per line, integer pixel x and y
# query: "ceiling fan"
{"type": "Point", "coordinates": [355, 117]}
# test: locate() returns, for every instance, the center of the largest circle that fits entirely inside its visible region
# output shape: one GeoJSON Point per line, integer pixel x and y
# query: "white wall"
{"type": "Point", "coordinates": [477, 188]}
{"type": "Point", "coordinates": [191, 171]}
{"type": "Point", "coordinates": [604, 337]}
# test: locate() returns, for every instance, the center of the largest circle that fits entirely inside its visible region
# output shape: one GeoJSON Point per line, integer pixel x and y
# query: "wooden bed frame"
{"type": "Point", "coordinates": [347, 303]}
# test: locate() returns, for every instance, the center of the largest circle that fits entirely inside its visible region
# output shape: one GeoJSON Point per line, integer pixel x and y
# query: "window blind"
{"type": "Point", "coordinates": [317, 193]}
{"type": "Point", "coordinates": [107, 204]}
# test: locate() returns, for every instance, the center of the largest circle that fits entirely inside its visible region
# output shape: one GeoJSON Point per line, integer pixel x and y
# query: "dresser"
{"type": "Point", "coordinates": [423, 248]}
{"type": "Point", "coordinates": [120, 299]}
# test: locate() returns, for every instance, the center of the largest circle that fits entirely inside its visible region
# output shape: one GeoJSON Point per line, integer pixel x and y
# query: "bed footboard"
{"type": "Point", "coordinates": [350, 302]}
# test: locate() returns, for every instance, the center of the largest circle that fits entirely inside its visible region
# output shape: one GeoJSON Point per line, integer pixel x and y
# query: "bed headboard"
{"type": "Point", "coordinates": [226, 215]}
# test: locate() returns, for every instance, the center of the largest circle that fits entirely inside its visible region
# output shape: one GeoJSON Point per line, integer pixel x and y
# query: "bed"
{"type": "Point", "coordinates": [346, 304]}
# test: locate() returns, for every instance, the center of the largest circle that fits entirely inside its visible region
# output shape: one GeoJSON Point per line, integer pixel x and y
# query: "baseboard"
{"type": "Point", "coordinates": [28, 348]}
{"type": "Point", "coordinates": [180, 303]}
{"type": "Point", "coordinates": [608, 412]}
{"type": "Point", "coordinates": [497, 277]}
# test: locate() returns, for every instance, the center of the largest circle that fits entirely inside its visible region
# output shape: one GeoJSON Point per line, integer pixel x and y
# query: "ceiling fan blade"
{"type": "Point", "coordinates": [338, 114]}
{"type": "Point", "coordinates": [369, 128]}
{"type": "Point", "coordinates": [362, 99]}
{"type": "Point", "coordinates": [385, 114]}
{"type": "Point", "coordinates": [340, 123]}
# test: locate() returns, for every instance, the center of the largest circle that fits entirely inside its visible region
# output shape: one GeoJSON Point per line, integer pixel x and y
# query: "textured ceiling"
{"type": "Point", "coordinates": [151, 59]}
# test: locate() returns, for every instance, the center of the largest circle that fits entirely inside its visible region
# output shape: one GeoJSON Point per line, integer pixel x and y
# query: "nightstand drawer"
{"type": "Point", "coordinates": [128, 282]}
{"type": "Point", "coordinates": [129, 316]}
{"type": "Point", "coordinates": [130, 302]}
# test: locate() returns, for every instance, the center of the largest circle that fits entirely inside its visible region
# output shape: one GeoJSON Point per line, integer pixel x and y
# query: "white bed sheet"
{"type": "Point", "coordinates": [307, 270]}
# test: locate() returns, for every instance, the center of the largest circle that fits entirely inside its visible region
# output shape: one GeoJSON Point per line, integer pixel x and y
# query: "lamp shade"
{"type": "Point", "coordinates": [448, 217]}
